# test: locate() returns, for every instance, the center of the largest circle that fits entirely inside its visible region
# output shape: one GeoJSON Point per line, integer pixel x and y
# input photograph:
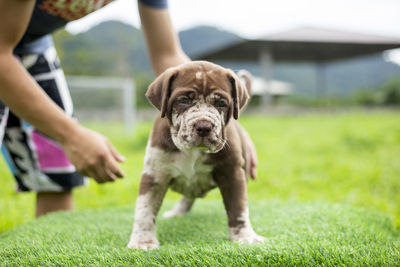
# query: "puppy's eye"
{"type": "Point", "coordinates": [221, 103]}
{"type": "Point", "coordinates": [184, 100]}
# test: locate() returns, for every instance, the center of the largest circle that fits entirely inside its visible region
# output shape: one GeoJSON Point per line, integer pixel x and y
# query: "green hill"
{"type": "Point", "coordinates": [110, 48]}
{"type": "Point", "coordinates": [204, 38]}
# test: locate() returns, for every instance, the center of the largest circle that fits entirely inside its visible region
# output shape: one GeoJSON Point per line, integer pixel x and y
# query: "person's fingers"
{"type": "Point", "coordinates": [98, 169]}
{"type": "Point", "coordinates": [253, 167]}
{"type": "Point", "coordinates": [254, 156]}
{"type": "Point", "coordinates": [115, 153]}
{"type": "Point", "coordinates": [112, 167]}
{"type": "Point", "coordinates": [103, 174]}
{"type": "Point", "coordinates": [253, 172]}
{"type": "Point", "coordinates": [253, 153]}
{"type": "Point", "coordinates": [103, 169]}
{"type": "Point", "coordinates": [84, 171]}
{"type": "Point", "coordinates": [110, 174]}
{"type": "Point", "coordinates": [253, 161]}
{"type": "Point", "coordinates": [93, 173]}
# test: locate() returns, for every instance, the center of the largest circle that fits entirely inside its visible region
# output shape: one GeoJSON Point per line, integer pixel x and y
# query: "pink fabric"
{"type": "Point", "coordinates": [50, 154]}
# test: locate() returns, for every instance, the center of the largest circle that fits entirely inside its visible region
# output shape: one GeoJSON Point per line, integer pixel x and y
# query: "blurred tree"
{"type": "Point", "coordinates": [391, 92]}
{"type": "Point", "coordinates": [142, 82]}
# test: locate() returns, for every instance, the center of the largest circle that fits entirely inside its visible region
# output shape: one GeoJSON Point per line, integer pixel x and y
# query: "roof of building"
{"type": "Point", "coordinates": [304, 44]}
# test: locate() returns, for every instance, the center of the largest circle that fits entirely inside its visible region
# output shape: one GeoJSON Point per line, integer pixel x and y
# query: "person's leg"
{"type": "Point", "coordinates": [53, 201]}
{"type": "Point", "coordinates": [37, 162]}
{"type": "Point", "coordinates": [3, 120]}
{"type": "Point", "coordinates": [33, 160]}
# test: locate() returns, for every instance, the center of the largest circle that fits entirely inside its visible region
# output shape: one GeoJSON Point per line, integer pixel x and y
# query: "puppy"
{"type": "Point", "coordinates": [195, 146]}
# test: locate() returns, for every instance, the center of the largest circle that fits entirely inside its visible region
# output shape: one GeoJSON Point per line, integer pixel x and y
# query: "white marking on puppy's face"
{"type": "Point", "coordinates": [199, 74]}
{"type": "Point", "coordinates": [185, 124]}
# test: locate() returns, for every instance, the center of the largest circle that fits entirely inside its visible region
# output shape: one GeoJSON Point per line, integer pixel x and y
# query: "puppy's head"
{"type": "Point", "coordinates": [198, 98]}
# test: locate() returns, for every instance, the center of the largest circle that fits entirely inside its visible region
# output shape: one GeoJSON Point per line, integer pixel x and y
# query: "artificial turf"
{"type": "Point", "coordinates": [296, 233]}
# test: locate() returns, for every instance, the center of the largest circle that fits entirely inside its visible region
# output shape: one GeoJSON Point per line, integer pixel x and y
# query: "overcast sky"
{"type": "Point", "coordinates": [255, 18]}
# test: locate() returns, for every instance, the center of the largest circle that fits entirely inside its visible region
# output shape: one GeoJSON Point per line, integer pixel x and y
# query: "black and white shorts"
{"type": "Point", "coordinates": [37, 162]}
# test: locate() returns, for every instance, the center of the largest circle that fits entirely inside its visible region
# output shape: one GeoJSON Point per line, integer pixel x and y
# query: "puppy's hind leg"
{"type": "Point", "coordinates": [181, 208]}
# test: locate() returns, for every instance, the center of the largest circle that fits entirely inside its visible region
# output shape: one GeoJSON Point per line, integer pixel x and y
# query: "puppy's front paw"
{"type": "Point", "coordinates": [249, 239]}
{"type": "Point", "coordinates": [144, 242]}
{"type": "Point", "coordinates": [244, 236]}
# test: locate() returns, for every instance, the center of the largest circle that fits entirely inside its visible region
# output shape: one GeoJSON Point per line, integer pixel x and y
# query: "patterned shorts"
{"type": "Point", "coordinates": [37, 162]}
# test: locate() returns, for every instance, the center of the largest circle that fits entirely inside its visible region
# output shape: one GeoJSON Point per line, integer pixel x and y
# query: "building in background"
{"type": "Point", "coordinates": [306, 44]}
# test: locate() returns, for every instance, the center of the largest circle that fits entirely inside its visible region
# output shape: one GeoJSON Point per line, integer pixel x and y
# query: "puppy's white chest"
{"type": "Point", "coordinates": [190, 175]}
{"type": "Point", "coordinates": [187, 170]}
{"type": "Point", "coordinates": [190, 166]}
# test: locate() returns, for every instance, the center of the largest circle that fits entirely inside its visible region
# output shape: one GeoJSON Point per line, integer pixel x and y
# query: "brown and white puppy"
{"type": "Point", "coordinates": [194, 147]}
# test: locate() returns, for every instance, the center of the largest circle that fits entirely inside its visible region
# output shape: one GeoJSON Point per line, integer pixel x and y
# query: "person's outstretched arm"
{"type": "Point", "coordinates": [90, 152]}
{"type": "Point", "coordinates": [162, 40]}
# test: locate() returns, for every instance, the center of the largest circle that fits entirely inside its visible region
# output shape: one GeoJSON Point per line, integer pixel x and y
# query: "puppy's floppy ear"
{"type": "Point", "coordinates": [159, 90]}
{"type": "Point", "coordinates": [246, 78]}
{"type": "Point", "coordinates": [240, 94]}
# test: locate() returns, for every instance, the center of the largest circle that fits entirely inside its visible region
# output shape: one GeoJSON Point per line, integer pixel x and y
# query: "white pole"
{"type": "Point", "coordinates": [129, 102]}
{"type": "Point", "coordinates": [266, 62]}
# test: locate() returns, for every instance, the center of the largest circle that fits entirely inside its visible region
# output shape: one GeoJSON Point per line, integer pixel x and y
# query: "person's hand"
{"type": "Point", "coordinates": [252, 154]}
{"type": "Point", "coordinates": [93, 155]}
{"type": "Point", "coordinates": [253, 158]}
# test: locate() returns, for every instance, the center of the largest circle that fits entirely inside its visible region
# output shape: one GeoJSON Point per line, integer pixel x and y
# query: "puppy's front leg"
{"type": "Point", "coordinates": [233, 187]}
{"type": "Point", "coordinates": [151, 194]}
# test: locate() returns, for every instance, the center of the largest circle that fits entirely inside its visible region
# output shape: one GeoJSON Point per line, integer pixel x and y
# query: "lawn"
{"type": "Point", "coordinates": [309, 165]}
{"type": "Point", "coordinates": [305, 234]}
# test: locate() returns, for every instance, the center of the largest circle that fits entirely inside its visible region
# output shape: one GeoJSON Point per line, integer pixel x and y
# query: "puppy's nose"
{"type": "Point", "coordinates": [203, 128]}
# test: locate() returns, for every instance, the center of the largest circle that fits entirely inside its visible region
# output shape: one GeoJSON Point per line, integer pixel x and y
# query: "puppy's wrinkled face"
{"type": "Point", "coordinates": [198, 98]}
{"type": "Point", "coordinates": [198, 119]}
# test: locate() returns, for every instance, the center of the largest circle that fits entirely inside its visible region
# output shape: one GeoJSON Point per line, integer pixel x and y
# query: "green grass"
{"type": "Point", "coordinates": [297, 234]}
{"type": "Point", "coordinates": [344, 160]}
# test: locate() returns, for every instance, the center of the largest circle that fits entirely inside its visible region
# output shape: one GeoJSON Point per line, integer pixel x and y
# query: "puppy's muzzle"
{"type": "Point", "coordinates": [203, 128]}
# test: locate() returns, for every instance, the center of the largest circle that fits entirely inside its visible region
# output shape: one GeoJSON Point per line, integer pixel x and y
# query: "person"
{"type": "Point", "coordinates": [47, 150]}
